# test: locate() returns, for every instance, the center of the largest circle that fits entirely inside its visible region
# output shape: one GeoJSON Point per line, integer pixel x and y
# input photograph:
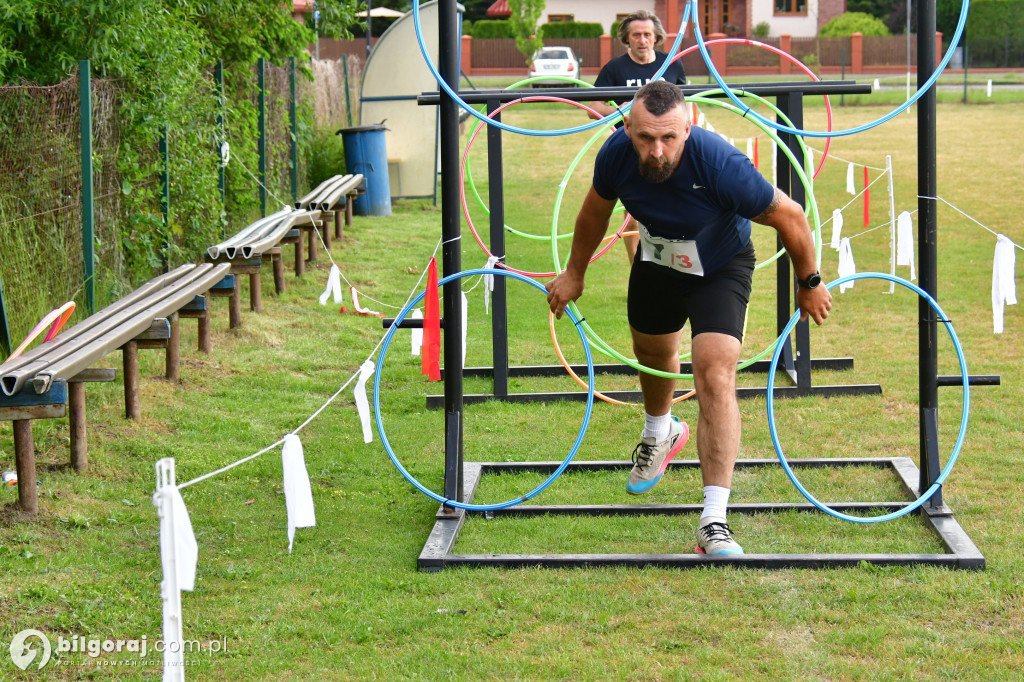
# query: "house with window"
{"type": "Point", "coordinates": [798, 18]}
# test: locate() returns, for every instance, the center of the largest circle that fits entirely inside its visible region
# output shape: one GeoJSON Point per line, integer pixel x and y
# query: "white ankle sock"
{"type": "Point", "coordinates": [658, 428]}
{"type": "Point", "coordinates": [716, 500]}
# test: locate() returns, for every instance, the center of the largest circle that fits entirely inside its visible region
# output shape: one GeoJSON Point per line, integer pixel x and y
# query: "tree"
{"type": "Point", "coordinates": [525, 15]}
{"type": "Point", "coordinates": [853, 22]}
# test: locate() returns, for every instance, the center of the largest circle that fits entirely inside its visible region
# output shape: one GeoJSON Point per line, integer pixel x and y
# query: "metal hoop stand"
{"type": "Point", "coordinates": [462, 478]}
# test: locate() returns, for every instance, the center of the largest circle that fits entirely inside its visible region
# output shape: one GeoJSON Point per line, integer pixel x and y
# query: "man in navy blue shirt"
{"type": "Point", "coordinates": [693, 196]}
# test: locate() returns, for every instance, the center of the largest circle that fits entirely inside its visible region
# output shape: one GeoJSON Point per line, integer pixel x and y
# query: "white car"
{"type": "Point", "coordinates": [554, 61]}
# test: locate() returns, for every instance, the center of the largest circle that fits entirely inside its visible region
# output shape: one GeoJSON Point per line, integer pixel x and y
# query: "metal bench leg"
{"type": "Point", "coordinates": [204, 326]}
{"type": "Point", "coordinates": [312, 244]}
{"type": "Point", "coordinates": [278, 262]}
{"type": "Point", "coordinates": [235, 307]}
{"type": "Point", "coordinates": [300, 260]}
{"type": "Point", "coordinates": [255, 292]}
{"type": "Point", "coordinates": [76, 422]}
{"type": "Point", "coordinates": [325, 230]}
{"type": "Point", "coordinates": [25, 463]}
{"type": "Point", "coordinates": [172, 364]}
{"type": "Point", "coordinates": [130, 353]}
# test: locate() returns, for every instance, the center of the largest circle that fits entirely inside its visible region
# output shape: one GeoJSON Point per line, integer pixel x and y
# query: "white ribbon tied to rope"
{"type": "Point", "coordinates": [465, 326]}
{"type": "Point", "coordinates": [362, 404]}
{"type": "Point", "coordinates": [846, 264]}
{"type": "Point", "coordinates": [1004, 286]}
{"type": "Point", "coordinates": [417, 334]}
{"type": "Point", "coordinates": [837, 228]}
{"type": "Point", "coordinates": [298, 497]}
{"type": "Point", "coordinates": [905, 242]}
{"type": "Point", "coordinates": [489, 282]}
{"type": "Point", "coordinates": [333, 286]}
{"type": "Point", "coordinates": [850, 186]}
{"type": "Point", "coordinates": [186, 551]}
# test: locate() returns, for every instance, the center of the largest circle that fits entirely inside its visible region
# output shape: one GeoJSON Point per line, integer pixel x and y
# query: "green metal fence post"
{"type": "Point", "coordinates": [261, 68]}
{"type": "Point", "coordinates": [965, 73]}
{"type": "Point", "coordinates": [348, 98]}
{"type": "Point", "coordinates": [165, 194]}
{"type": "Point", "coordinates": [295, 132]}
{"type": "Point", "coordinates": [218, 76]}
{"type": "Point", "coordinates": [5, 332]}
{"type": "Point", "coordinates": [88, 233]}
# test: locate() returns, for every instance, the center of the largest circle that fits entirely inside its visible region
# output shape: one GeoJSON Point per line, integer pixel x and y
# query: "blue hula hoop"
{"type": "Point", "coordinates": [963, 417]}
{"type": "Point", "coordinates": [834, 133]}
{"type": "Point", "coordinates": [532, 131]}
{"type": "Point", "coordinates": [380, 424]}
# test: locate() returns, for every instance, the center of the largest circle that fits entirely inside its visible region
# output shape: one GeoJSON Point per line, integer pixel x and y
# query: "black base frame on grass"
{"type": "Point", "coordinates": [438, 552]}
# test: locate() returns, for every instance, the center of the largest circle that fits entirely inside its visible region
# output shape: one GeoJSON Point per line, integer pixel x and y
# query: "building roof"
{"type": "Point", "coordinates": [499, 9]}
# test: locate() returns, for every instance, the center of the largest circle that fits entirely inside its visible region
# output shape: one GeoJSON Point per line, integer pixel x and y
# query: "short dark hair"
{"type": "Point", "coordinates": [641, 15]}
{"type": "Point", "coordinates": [660, 97]}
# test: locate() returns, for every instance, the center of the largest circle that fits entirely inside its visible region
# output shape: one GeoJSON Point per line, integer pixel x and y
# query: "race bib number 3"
{"type": "Point", "coordinates": [678, 254]}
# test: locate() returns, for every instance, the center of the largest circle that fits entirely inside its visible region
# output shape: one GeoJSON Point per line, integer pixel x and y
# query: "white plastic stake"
{"type": "Point", "coordinates": [174, 658]}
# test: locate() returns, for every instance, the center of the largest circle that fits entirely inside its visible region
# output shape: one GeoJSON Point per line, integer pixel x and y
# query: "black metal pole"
{"type": "Point", "coordinates": [451, 257]}
{"type": "Point", "coordinates": [927, 252]}
{"type": "Point", "coordinates": [783, 273]}
{"type": "Point", "coordinates": [499, 302]}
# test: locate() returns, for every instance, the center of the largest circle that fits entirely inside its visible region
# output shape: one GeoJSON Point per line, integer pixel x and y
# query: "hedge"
{"type": "Point", "coordinates": [492, 28]}
{"type": "Point", "coordinates": [571, 29]}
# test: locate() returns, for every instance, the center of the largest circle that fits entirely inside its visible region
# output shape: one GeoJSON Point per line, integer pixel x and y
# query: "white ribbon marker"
{"type": "Point", "coordinates": [846, 264]}
{"type": "Point", "coordinates": [298, 497]}
{"type": "Point", "coordinates": [850, 186]}
{"type": "Point", "coordinates": [186, 550]}
{"type": "Point", "coordinates": [465, 326]}
{"type": "Point", "coordinates": [1004, 286]}
{"type": "Point", "coordinates": [417, 334]}
{"type": "Point", "coordinates": [750, 149]}
{"type": "Point", "coordinates": [837, 228]}
{"type": "Point", "coordinates": [362, 404]}
{"type": "Point", "coordinates": [489, 282]}
{"type": "Point", "coordinates": [905, 242]}
{"type": "Point", "coordinates": [355, 303]}
{"type": "Point", "coordinates": [333, 286]}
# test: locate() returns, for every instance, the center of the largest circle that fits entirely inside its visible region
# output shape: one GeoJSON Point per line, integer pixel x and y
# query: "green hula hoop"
{"type": "Point", "coordinates": [811, 210]}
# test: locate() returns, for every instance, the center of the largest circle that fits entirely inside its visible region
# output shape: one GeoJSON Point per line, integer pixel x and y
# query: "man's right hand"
{"type": "Point", "coordinates": [563, 289]}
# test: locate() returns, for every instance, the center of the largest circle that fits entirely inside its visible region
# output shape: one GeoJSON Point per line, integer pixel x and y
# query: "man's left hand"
{"type": "Point", "coordinates": [816, 302]}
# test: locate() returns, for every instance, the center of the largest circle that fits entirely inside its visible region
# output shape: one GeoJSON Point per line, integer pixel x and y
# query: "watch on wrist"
{"type": "Point", "coordinates": [811, 282]}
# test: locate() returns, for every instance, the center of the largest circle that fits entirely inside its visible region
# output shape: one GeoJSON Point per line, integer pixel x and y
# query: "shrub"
{"type": "Point", "coordinates": [762, 30]}
{"type": "Point", "coordinates": [853, 22]}
{"type": "Point", "coordinates": [325, 156]}
{"type": "Point", "coordinates": [492, 28]}
{"type": "Point", "coordinates": [571, 29]}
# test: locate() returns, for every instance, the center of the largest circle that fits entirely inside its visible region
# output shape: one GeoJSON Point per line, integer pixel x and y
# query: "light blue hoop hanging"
{"type": "Point", "coordinates": [380, 424]}
{"type": "Point", "coordinates": [963, 417]}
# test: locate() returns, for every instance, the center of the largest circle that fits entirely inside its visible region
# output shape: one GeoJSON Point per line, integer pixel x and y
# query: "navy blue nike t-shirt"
{"type": "Point", "coordinates": [710, 198]}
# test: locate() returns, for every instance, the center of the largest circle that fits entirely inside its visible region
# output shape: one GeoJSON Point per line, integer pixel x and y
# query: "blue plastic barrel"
{"type": "Point", "coordinates": [366, 153]}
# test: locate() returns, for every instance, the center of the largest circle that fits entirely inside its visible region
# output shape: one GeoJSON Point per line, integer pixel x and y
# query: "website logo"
{"type": "Point", "coordinates": [24, 651]}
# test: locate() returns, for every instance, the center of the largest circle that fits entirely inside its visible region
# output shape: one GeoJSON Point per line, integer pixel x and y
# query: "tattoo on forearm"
{"type": "Point", "coordinates": [776, 200]}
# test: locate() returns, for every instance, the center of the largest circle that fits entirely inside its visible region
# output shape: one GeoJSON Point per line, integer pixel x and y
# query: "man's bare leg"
{"type": "Point", "coordinates": [715, 357]}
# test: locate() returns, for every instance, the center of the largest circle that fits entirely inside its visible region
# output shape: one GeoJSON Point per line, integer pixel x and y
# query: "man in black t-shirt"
{"type": "Point", "coordinates": [640, 32]}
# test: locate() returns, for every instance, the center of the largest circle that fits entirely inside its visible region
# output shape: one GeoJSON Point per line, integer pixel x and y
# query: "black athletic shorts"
{"type": "Point", "coordinates": [661, 300]}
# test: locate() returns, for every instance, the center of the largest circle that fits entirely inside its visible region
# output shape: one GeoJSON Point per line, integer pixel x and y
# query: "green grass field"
{"type": "Point", "coordinates": [349, 602]}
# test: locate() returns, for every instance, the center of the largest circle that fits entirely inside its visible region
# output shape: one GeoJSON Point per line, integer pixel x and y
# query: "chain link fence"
{"type": "Point", "coordinates": [41, 221]}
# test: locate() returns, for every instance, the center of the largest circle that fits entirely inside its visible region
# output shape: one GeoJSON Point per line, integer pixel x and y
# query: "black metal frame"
{"type": "Point", "coordinates": [437, 552]}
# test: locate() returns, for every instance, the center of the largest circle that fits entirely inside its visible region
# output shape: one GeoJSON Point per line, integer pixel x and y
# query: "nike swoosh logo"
{"type": "Point", "coordinates": [696, 186]}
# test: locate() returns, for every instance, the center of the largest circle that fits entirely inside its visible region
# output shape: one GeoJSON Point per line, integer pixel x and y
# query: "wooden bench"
{"type": "Point", "coordinates": [48, 381]}
{"type": "Point", "coordinates": [246, 251]}
{"type": "Point", "coordinates": [330, 195]}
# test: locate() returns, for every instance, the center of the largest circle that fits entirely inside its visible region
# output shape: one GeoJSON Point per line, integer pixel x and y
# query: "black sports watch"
{"type": "Point", "coordinates": [811, 282]}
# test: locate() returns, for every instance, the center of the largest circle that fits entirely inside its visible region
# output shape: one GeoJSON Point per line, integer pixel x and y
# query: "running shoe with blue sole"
{"type": "Point", "coordinates": [650, 459]}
